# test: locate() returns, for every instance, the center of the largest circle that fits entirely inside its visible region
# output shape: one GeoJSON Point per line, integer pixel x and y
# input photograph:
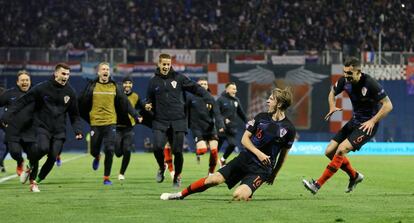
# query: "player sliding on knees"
{"type": "Point", "coordinates": [267, 139]}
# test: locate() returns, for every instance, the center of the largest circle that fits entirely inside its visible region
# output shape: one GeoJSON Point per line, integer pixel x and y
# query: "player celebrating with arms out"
{"type": "Point", "coordinates": [267, 139]}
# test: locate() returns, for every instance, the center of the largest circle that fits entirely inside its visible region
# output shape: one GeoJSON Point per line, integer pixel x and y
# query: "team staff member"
{"type": "Point", "coordinates": [19, 134]}
{"type": "Point", "coordinates": [230, 108]}
{"type": "Point", "coordinates": [366, 95]}
{"type": "Point", "coordinates": [125, 131]}
{"type": "Point", "coordinates": [267, 140]}
{"type": "Point", "coordinates": [166, 98]}
{"type": "Point", "coordinates": [102, 104]}
{"type": "Point", "coordinates": [204, 118]}
{"type": "Point", "coordinates": [54, 100]}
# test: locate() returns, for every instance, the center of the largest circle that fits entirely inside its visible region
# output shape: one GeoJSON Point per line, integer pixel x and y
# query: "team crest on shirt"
{"type": "Point", "coordinates": [174, 84]}
{"type": "Point", "coordinates": [364, 91]}
{"type": "Point", "coordinates": [236, 104]}
{"type": "Point", "coordinates": [66, 99]}
{"type": "Point", "coordinates": [283, 132]}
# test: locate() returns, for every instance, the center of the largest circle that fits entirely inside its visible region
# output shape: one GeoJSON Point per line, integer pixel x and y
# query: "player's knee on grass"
{"type": "Point", "coordinates": [214, 179]}
{"type": "Point", "coordinates": [242, 193]}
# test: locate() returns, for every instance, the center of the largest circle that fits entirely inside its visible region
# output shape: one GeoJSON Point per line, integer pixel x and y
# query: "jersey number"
{"type": "Point", "coordinates": [259, 133]}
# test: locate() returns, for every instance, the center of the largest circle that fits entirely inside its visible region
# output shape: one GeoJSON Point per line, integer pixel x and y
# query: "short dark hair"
{"type": "Point", "coordinates": [62, 65]}
{"type": "Point", "coordinates": [230, 83]}
{"type": "Point", "coordinates": [164, 56]}
{"type": "Point", "coordinates": [21, 72]}
{"type": "Point", "coordinates": [352, 62]}
{"type": "Point", "coordinates": [127, 78]}
{"type": "Point", "coordinates": [202, 79]}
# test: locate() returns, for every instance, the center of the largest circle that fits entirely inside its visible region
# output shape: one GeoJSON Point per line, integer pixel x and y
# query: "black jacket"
{"type": "Point", "coordinates": [122, 105]}
{"type": "Point", "coordinates": [21, 128]}
{"type": "Point", "coordinates": [200, 117]}
{"type": "Point", "coordinates": [52, 102]}
{"type": "Point", "coordinates": [139, 107]}
{"type": "Point", "coordinates": [230, 108]}
{"type": "Point", "coordinates": [168, 98]}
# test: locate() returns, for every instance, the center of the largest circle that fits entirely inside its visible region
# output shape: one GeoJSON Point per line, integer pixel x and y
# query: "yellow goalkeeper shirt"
{"type": "Point", "coordinates": [103, 105]}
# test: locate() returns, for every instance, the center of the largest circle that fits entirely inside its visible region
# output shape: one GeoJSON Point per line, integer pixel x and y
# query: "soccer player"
{"type": "Point", "coordinates": [166, 98]}
{"type": "Point", "coordinates": [54, 100]}
{"type": "Point", "coordinates": [103, 104]}
{"type": "Point", "coordinates": [267, 139]}
{"type": "Point", "coordinates": [204, 118]}
{"type": "Point", "coordinates": [19, 135]}
{"type": "Point", "coordinates": [230, 108]}
{"type": "Point", "coordinates": [366, 95]}
{"type": "Point", "coordinates": [125, 131]}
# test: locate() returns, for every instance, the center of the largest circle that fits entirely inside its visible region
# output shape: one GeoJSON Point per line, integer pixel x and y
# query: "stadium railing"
{"type": "Point", "coordinates": [199, 56]}
{"type": "Point", "coordinates": [21, 54]}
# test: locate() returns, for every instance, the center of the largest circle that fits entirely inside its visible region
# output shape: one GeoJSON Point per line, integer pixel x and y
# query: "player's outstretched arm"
{"type": "Point", "coordinates": [332, 105]}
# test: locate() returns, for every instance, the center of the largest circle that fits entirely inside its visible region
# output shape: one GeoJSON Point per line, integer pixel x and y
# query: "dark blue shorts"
{"type": "Point", "coordinates": [356, 136]}
{"type": "Point", "coordinates": [245, 170]}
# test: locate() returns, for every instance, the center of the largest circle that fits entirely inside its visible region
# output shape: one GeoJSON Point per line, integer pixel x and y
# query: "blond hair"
{"type": "Point", "coordinates": [103, 63]}
{"type": "Point", "coordinates": [283, 97]}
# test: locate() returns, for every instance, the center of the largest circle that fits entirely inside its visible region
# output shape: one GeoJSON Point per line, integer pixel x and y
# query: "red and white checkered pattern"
{"type": "Point", "coordinates": [218, 76]}
{"type": "Point", "coordinates": [257, 99]}
{"type": "Point", "coordinates": [340, 118]}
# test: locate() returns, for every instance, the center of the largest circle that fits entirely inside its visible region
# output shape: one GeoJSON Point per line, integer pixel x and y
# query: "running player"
{"type": "Point", "coordinates": [366, 96]}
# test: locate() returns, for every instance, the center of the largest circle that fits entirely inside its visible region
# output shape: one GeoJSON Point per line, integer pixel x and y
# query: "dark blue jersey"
{"type": "Point", "coordinates": [270, 136]}
{"type": "Point", "coordinates": [365, 96]}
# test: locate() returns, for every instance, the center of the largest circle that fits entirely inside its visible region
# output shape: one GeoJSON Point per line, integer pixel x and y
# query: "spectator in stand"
{"type": "Point", "coordinates": [209, 24]}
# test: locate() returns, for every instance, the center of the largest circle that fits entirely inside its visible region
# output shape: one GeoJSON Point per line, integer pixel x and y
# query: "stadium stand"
{"type": "Point", "coordinates": [197, 24]}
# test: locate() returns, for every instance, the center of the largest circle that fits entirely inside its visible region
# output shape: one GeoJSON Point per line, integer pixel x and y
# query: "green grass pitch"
{"type": "Point", "coordinates": [75, 193]}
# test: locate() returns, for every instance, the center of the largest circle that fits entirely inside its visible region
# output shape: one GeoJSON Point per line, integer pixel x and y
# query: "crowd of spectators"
{"type": "Point", "coordinates": [202, 24]}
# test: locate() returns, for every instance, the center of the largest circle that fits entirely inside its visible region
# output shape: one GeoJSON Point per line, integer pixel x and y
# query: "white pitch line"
{"type": "Point", "coordinates": [4, 179]}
